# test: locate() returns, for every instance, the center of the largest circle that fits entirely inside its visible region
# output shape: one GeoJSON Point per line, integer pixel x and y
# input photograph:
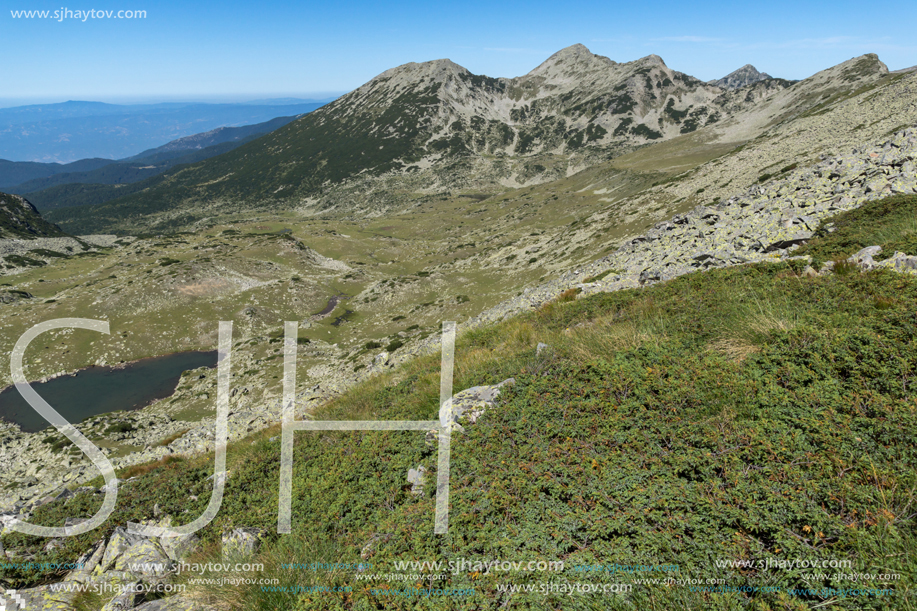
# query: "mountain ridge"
{"type": "Point", "coordinates": [431, 122]}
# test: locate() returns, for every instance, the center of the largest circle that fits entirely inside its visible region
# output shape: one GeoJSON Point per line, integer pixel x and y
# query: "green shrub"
{"type": "Point", "coordinates": [120, 427]}
{"type": "Point", "coordinates": [890, 223]}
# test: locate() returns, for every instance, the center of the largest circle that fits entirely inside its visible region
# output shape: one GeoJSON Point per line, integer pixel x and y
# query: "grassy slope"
{"type": "Point", "coordinates": [745, 413]}
{"type": "Point", "coordinates": [891, 223]}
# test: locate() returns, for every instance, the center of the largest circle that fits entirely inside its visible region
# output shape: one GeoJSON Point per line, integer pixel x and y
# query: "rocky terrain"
{"type": "Point", "coordinates": [766, 222]}
{"type": "Point", "coordinates": [389, 280]}
{"type": "Point", "coordinates": [370, 288]}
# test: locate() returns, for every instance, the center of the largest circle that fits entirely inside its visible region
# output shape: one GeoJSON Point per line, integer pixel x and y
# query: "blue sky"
{"type": "Point", "coordinates": [206, 50]}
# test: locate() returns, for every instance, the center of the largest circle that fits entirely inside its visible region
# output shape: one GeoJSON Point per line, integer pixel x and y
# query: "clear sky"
{"type": "Point", "coordinates": [193, 49]}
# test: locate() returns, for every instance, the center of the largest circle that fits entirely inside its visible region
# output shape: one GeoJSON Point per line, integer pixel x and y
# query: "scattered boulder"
{"type": "Point", "coordinates": [416, 477]}
{"type": "Point", "coordinates": [14, 296]}
{"type": "Point", "coordinates": [145, 558]}
{"type": "Point", "coordinates": [864, 258]}
{"type": "Point", "coordinates": [474, 401]}
{"type": "Point", "coordinates": [127, 599]}
{"type": "Point", "coordinates": [241, 541]}
{"type": "Point", "coordinates": [180, 547]}
{"type": "Point", "coordinates": [88, 562]}
{"type": "Point", "coordinates": [172, 603]}
{"type": "Point", "coordinates": [900, 262]}
{"type": "Point", "coordinates": [120, 541]}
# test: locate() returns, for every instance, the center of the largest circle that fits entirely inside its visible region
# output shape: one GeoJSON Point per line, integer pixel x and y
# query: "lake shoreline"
{"type": "Point", "coordinates": [104, 369]}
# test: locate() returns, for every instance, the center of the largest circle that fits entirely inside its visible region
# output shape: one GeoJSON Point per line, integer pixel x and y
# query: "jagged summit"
{"type": "Point", "coordinates": [746, 75]}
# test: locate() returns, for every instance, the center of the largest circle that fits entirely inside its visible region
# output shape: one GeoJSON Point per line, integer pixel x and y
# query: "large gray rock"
{"type": "Point", "coordinates": [89, 561]}
{"type": "Point", "coordinates": [145, 558]}
{"type": "Point", "coordinates": [179, 548]}
{"type": "Point", "coordinates": [241, 542]}
{"type": "Point", "coordinates": [900, 262]}
{"type": "Point", "coordinates": [127, 599]}
{"type": "Point", "coordinates": [173, 603]}
{"type": "Point", "coordinates": [473, 402]}
{"type": "Point", "coordinates": [119, 542]}
{"type": "Point", "coordinates": [864, 258]}
{"type": "Point", "coordinates": [417, 478]}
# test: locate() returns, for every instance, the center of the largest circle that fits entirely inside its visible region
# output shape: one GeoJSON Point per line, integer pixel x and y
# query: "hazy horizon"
{"type": "Point", "coordinates": [237, 50]}
{"type": "Point", "coordinates": [11, 102]}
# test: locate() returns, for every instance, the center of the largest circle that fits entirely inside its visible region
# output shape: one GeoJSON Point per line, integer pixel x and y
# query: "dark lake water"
{"type": "Point", "coordinates": [98, 390]}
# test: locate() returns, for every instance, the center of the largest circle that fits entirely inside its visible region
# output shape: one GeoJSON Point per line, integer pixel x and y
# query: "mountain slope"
{"type": "Point", "coordinates": [13, 173]}
{"type": "Point", "coordinates": [20, 220]}
{"type": "Point", "coordinates": [744, 413]}
{"type": "Point", "coordinates": [189, 149]}
{"type": "Point", "coordinates": [210, 138]}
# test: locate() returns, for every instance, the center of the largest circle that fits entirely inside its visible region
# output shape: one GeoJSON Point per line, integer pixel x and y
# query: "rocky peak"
{"type": "Point", "coordinates": [746, 75]}
{"type": "Point", "coordinates": [437, 69]}
{"type": "Point", "coordinates": [865, 68]}
{"type": "Point", "coordinates": [867, 65]}
{"type": "Point", "coordinates": [651, 59]}
{"type": "Point", "coordinates": [575, 59]}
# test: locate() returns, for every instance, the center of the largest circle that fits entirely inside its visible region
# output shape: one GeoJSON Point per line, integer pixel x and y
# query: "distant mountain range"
{"type": "Point", "coordinates": [65, 132]}
{"type": "Point", "coordinates": [28, 177]}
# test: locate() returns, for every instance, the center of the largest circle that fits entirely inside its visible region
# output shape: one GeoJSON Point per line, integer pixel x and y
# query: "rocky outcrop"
{"type": "Point", "coordinates": [900, 262]}
{"type": "Point", "coordinates": [18, 254]}
{"type": "Point", "coordinates": [470, 404]}
{"type": "Point", "coordinates": [127, 566]}
{"type": "Point", "coordinates": [19, 219]}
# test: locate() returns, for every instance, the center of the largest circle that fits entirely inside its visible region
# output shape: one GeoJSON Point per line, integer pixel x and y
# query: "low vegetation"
{"type": "Point", "coordinates": [747, 413]}
{"type": "Point", "coordinates": [890, 223]}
